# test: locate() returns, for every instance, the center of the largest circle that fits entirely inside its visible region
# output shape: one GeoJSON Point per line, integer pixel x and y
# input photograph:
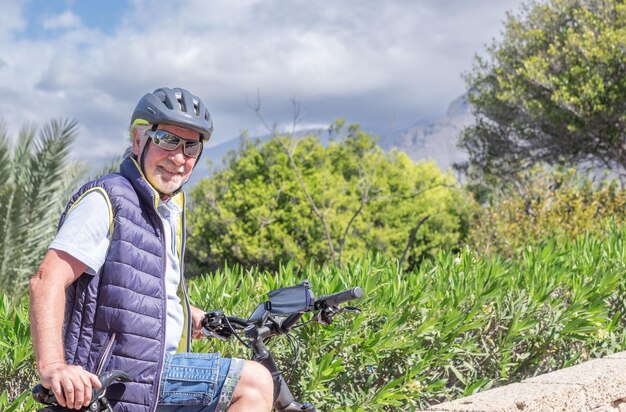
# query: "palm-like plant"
{"type": "Point", "coordinates": [36, 176]}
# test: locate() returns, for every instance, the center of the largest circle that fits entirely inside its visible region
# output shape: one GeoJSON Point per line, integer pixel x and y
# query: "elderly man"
{"type": "Point", "coordinates": [110, 292]}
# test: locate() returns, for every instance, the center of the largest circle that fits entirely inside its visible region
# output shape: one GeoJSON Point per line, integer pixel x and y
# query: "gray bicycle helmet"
{"type": "Point", "coordinates": [175, 106]}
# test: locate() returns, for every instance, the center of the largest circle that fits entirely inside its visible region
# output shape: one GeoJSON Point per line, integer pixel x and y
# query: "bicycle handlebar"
{"type": "Point", "coordinates": [338, 298]}
{"type": "Point", "coordinates": [214, 325]}
{"type": "Point", "coordinates": [264, 324]}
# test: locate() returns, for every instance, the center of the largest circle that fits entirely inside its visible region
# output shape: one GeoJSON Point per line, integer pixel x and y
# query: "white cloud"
{"type": "Point", "coordinates": [370, 62]}
{"type": "Point", "coordinates": [65, 20]}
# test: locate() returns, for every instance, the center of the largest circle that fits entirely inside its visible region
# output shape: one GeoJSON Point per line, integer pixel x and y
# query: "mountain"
{"type": "Point", "coordinates": [436, 140]}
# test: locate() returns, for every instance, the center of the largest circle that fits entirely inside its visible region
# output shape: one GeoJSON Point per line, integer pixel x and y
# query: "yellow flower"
{"type": "Point", "coordinates": [414, 386]}
{"type": "Point", "coordinates": [603, 334]}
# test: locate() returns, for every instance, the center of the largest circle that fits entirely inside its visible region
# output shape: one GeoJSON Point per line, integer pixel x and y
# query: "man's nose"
{"type": "Point", "coordinates": [177, 156]}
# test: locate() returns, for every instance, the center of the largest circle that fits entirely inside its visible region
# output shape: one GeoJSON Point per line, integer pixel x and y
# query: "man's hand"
{"type": "Point", "coordinates": [72, 385]}
{"type": "Point", "coordinates": [196, 320]}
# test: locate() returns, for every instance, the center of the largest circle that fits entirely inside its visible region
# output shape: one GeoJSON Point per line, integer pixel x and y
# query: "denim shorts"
{"type": "Point", "coordinates": [198, 382]}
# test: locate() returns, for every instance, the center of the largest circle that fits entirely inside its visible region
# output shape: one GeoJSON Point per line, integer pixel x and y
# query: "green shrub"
{"type": "Point", "coordinates": [17, 363]}
{"type": "Point", "coordinates": [543, 204]}
{"type": "Point", "coordinates": [255, 212]}
{"type": "Point", "coordinates": [458, 324]}
{"type": "Point", "coordinates": [455, 326]}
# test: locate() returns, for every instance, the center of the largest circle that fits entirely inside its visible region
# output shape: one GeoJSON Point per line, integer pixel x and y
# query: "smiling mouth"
{"type": "Point", "coordinates": [174, 173]}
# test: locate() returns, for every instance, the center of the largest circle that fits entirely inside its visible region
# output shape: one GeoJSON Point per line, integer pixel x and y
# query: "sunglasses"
{"type": "Point", "coordinates": [169, 141]}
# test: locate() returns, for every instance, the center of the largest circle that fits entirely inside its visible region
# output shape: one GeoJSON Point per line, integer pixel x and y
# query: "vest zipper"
{"type": "Point", "coordinates": [164, 307]}
{"type": "Point", "coordinates": [106, 353]}
{"type": "Point", "coordinates": [158, 378]}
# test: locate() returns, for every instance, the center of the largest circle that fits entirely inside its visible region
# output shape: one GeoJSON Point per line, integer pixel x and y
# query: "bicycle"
{"type": "Point", "coordinates": [277, 316]}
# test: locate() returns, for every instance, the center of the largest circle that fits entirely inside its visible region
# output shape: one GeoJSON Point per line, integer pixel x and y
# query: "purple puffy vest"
{"type": "Point", "coordinates": [116, 320]}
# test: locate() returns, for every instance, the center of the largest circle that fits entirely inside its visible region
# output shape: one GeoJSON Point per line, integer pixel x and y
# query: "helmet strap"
{"type": "Point", "coordinates": [145, 149]}
{"type": "Point", "coordinates": [142, 156]}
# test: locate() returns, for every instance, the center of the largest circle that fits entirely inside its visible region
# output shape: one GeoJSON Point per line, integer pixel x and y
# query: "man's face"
{"type": "Point", "coordinates": [166, 170]}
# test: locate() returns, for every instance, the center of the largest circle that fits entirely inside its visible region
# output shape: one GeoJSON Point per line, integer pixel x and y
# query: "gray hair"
{"type": "Point", "coordinates": [142, 129]}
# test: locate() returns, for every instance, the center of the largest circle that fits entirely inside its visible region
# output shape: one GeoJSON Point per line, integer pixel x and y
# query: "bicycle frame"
{"type": "Point", "coordinates": [283, 398]}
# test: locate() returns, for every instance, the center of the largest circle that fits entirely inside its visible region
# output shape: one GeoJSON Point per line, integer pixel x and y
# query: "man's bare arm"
{"type": "Point", "coordinates": [72, 385]}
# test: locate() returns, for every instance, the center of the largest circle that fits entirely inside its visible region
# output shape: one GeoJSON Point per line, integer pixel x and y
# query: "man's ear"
{"type": "Point", "coordinates": [136, 142]}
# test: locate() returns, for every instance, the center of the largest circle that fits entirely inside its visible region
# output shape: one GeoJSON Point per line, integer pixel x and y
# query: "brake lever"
{"type": "Point", "coordinates": [211, 334]}
{"type": "Point", "coordinates": [213, 326]}
{"type": "Point", "coordinates": [325, 317]}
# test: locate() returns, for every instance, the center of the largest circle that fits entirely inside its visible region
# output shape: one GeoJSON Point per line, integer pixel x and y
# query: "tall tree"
{"type": "Point", "coordinates": [552, 90]}
{"type": "Point", "coordinates": [323, 203]}
{"type": "Point", "coordinates": [36, 175]}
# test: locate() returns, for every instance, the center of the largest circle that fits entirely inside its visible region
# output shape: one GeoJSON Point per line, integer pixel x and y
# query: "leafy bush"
{"type": "Point", "coordinates": [543, 204]}
{"type": "Point", "coordinates": [455, 326]}
{"type": "Point", "coordinates": [17, 363]}
{"type": "Point", "coordinates": [458, 324]}
{"type": "Point", "coordinates": [298, 200]}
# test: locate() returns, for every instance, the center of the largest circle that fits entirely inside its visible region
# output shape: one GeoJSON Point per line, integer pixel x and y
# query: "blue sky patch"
{"type": "Point", "coordinates": [44, 16]}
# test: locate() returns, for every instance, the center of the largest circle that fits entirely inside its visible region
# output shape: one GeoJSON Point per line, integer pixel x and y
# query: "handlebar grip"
{"type": "Point", "coordinates": [338, 298]}
{"type": "Point", "coordinates": [289, 321]}
{"type": "Point", "coordinates": [43, 395]}
{"type": "Point", "coordinates": [46, 396]}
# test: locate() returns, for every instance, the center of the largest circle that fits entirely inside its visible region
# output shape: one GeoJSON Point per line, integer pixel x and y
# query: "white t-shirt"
{"type": "Point", "coordinates": [85, 236]}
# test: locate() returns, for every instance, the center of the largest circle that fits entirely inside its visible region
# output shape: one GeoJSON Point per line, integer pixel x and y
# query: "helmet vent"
{"type": "Point", "coordinates": [179, 100]}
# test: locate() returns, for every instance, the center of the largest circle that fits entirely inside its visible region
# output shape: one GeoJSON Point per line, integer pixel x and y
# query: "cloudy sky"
{"type": "Point", "coordinates": [383, 64]}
